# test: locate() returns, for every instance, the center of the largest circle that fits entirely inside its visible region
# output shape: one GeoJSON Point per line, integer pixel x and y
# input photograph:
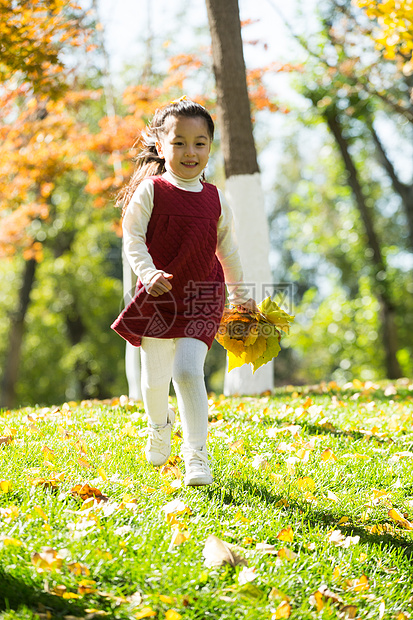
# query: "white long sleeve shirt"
{"type": "Point", "coordinates": [135, 225]}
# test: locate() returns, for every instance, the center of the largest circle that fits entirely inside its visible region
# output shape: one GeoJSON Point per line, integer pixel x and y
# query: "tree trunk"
{"type": "Point", "coordinates": [11, 371]}
{"type": "Point", "coordinates": [132, 354]}
{"type": "Point", "coordinates": [380, 283]}
{"type": "Point", "coordinates": [243, 184]}
{"type": "Point", "coordinates": [402, 189]}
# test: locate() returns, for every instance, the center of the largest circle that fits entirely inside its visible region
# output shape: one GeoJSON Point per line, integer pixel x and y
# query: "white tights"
{"type": "Point", "coordinates": [182, 360]}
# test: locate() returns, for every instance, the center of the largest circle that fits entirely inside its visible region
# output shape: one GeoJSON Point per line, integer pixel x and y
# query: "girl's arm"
{"type": "Point", "coordinates": [135, 224]}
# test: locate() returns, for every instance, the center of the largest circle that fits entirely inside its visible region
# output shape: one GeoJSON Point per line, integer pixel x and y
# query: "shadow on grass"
{"type": "Point", "coordinates": [15, 592]}
{"type": "Point", "coordinates": [235, 493]}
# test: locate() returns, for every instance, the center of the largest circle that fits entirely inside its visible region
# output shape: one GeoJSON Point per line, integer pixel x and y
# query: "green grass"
{"type": "Point", "coordinates": [116, 556]}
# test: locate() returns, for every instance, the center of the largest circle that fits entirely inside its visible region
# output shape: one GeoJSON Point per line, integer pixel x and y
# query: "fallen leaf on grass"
{"type": "Point", "coordinates": [322, 596]}
{"type": "Point", "coordinates": [77, 568]}
{"type": "Point", "coordinates": [102, 473]}
{"type": "Point", "coordinates": [286, 534]}
{"type": "Point", "coordinates": [306, 483]}
{"type": "Point", "coordinates": [5, 486]}
{"type": "Point", "coordinates": [239, 517]}
{"type": "Point", "coordinates": [332, 496]}
{"type": "Point", "coordinates": [48, 559]}
{"type": "Point", "coordinates": [10, 542]}
{"type": "Point", "coordinates": [283, 611]}
{"type": "Point", "coordinates": [84, 463]}
{"type": "Point", "coordinates": [86, 586]}
{"type": "Point", "coordinates": [381, 528]}
{"type": "Point", "coordinates": [177, 507]}
{"type": "Point", "coordinates": [10, 513]}
{"type": "Point", "coordinates": [237, 446]}
{"type": "Point", "coordinates": [337, 538]}
{"type": "Point", "coordinates": [348, 612]}
{"type": "Point", "coordinates": [294, 429]}
{"type": "Point", "coordinates": [397, 516]}
{"type": "Point", "coordinates": [358, 585]}
{"type": "Point", "coordinates": [260, 462]}
{"type": "Point", "coordinates": [146, 612]}
{"type": "Point", "coordinates": [328, 455]}
{"type": "Point", "coordinates": [40, 512]}
{"type": "Point", "coordinates": [266, 548]}
{"type": "Point", "coordinates": [171, 470]}
{"type": "Point", "coordinates": [179, 536]}
{"type": "Point", "coordinates": [287, 554]}
{"type": "Point", "coordinates": [218, 552]}
{"type": "Point", "coordinates": [85, 491]}
{"type": "Point", "coordinates": [7, 439]}
{"type": "Point", "coordinates": [246, 575]}
{"type": "Point", "coordinates": [171, 614]}
{"type": "Point", "coordinates": [47, 483]}
{"type": "Point", "coordinates": [48, 454]}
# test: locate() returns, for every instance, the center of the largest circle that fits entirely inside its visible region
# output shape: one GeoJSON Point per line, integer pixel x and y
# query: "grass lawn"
{"type": "Point", "coordinates": [312, 510]}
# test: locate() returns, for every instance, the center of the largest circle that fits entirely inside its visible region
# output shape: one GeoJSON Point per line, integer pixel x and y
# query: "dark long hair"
{"type": "Point", "coordinates": [147, 162]}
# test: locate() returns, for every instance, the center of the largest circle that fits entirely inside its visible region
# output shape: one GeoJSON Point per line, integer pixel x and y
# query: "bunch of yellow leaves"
{"type": "Point", "coordinates": [253, 337]}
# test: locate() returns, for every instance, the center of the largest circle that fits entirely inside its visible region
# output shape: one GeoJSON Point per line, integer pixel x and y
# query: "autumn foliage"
{"type": "Point", "coordinates": [32, 36]}
{"type": "Point", "coordinates": [393, 32]}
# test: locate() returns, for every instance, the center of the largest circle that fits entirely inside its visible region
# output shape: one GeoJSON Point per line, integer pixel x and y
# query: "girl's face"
{"type": "Point", "coordinates": [185, 145]}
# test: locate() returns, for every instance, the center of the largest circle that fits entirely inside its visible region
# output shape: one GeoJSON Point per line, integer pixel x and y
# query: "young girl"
{"type": "Point", "coordinates": [178, 238]}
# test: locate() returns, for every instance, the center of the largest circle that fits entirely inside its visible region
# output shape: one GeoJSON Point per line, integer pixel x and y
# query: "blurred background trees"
{"type": "Point", "coordinates": [339, 193]}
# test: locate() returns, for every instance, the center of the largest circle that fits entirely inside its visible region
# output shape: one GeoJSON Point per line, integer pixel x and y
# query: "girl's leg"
{"type": "Point", "coordinates": [156, 371]}
{"type": "Point", "coordinates": [157, 356]}
{"type": "Point", "coordinates": [189, 384]}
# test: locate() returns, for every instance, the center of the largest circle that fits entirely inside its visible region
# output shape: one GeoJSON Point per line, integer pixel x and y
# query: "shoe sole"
{"type": "Point", "coordinates": [198, 483]}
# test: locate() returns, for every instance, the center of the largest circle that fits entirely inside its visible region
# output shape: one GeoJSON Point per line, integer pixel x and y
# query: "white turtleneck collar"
{"type": "Point", "coordinates": [190, 185]}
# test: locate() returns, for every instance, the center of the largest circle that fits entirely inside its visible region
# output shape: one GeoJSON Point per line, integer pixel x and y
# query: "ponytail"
{"type": "Point", "coordinates": [148, 163]}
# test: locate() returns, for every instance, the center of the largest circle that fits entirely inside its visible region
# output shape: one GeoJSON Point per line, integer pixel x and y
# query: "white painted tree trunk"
{"type": "Point", "coordinates": [246, 199]}
{"type": "Point", "coordinates": [132, 354]}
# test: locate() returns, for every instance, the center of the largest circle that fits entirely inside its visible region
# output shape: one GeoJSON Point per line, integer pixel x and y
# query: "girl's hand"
{"type": "Point", "coordinates": [160, 284]}
{"type": "Point", "coordinates": [249, 306]}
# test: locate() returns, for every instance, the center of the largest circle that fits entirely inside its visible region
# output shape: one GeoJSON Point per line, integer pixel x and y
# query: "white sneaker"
{"type": "Point", "coordinates": [197, 472]}
{"type": "Point", "coordinates": [158, 446]}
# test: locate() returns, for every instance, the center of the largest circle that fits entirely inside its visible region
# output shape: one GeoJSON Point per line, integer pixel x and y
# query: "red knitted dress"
{"type": "Point", "coordinates": [182, 240]}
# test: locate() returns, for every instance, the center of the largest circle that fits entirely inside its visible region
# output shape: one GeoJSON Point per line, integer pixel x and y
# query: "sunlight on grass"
{"type": "Point", "coordinates": [310, 514]}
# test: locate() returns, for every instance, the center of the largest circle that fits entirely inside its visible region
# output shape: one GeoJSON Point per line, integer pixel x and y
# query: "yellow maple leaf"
{"type": "Point", "coordinates": [283, 611]}
{"type": "Point", "coordinates": [171, 614]}
{"type": "Point", "coordinates": [397, 516]}
{"type": "Point", "coordinates": [305, 483]}
{"type": "Point", "coordinates": [48, 559]}
{"type": "Point", "coordinates": [179, 536]}
{"type": "Point", "coordinates": [287, 554]}
{"type": "Point", "coordinates": [5, 486]}
{"type": "Point", "coordinates": [253, 337]}
{"type": "Point", "coordinates": [145, 612]}
{"type": "Point", "coordinates": [328, 455]}
{"type": "Point", "coordinates": [286, 534]}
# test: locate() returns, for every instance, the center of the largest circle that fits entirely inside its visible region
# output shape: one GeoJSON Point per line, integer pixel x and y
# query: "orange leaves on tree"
{"type": "Point", "coordinates": [42, 143]}
{"type": "Point", "coordinates": [32, 37]}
